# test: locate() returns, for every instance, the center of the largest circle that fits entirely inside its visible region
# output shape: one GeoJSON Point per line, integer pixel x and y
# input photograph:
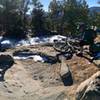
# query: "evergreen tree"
{"type": "Point", "coordinates": [65, 14]}
{"type": "Point", "coordinates": [38, 17]}
{"type": "Point", "coordinates": [56, 15]}
{"type": "Point", "coordinates": [94, 18]}
{"type": "Point", "coordinates": [12, 20]}
{"type": "Point", "coordinates": [75, 11]}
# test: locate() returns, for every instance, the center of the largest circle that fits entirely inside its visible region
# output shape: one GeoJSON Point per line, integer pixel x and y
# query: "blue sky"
{"type": "Point", "coordinates": [90, 3]}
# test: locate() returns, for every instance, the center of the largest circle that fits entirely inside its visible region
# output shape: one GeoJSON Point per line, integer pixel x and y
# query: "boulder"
{"type": "Point", "coordinates": [65, 73]}
{"type": "Point", "coordinates": [64, 67]}
{"type": "Point", "coordinates": [6, 61]}
{"type": "Point", "coordinates": [89, 89]}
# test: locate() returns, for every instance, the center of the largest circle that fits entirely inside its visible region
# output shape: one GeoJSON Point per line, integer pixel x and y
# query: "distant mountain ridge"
{"type": "Point", "coordinates": [94, 9]}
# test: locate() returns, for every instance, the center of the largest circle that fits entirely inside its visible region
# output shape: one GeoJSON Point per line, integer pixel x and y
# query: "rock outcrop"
{"type": "Point", "coordinates": [19, 85]}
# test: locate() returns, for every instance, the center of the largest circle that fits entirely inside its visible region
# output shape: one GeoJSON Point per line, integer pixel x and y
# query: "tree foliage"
{"type": "Point", "coordinates": [38, 17]}
{"type": "Point", "coordinates": [62, 17]}
{"type": "Point", "coordinates": [66, 13]}
{"type": "Point", "coordinates": [13, 14]}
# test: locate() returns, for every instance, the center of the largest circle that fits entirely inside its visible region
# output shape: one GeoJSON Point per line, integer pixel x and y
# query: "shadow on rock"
{"type": "Point", "coordinates": [67, 79]}
{"type": "Point", "coordinates": [6, 61]}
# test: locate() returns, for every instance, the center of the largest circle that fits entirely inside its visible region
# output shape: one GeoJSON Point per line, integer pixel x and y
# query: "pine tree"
{"type": "Point", "coordinates": [56, 15]}
{"type": "Point", "coordinates": [12, 20]}
{"type": "Point", "coordinates": [65, 14]}
{"type": "Point", "coordinates": [74, 11]}
{"type": "Point", "coordinates": [38, 17]}
{"type": "Point", "coordinates": [94, 18]}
